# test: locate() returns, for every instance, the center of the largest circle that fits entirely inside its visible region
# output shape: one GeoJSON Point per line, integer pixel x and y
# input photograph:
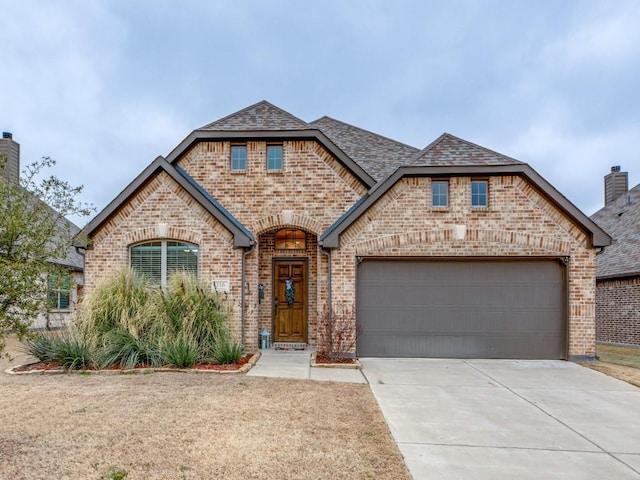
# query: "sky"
{"type": "Point", "coordinates": [105, 86]}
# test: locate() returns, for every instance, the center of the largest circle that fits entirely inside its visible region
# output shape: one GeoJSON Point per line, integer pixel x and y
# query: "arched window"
{"type": "Point", "coordinates": [159, 259]}
{"type": "Point", "coordinates": [290, 239]}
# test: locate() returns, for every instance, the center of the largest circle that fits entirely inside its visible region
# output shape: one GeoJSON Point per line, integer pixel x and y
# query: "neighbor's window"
{"type": "Point", "coordinates": [58, 291]}
{"type": "Point", "coordinates": [159, 259]}
{"type": "Point", "coordinates": [238, 157]}
{"type": "Point", "coordinates": [440, 193]}
{"type": "Point", "coordinates": [274, 157]}
{"type": "Point", "coordinates": [479, 193]}
{"type": "Point", "coordinates": [290, 239]}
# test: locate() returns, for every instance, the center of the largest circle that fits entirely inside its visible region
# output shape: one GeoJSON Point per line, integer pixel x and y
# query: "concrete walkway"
{"type": "Point", "coordinates": [297, 364]}
{"type": "Point", "coordinates": [505, 419]}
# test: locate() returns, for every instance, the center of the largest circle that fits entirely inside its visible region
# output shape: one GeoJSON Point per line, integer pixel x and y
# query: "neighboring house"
{"type": "Point", "coordinates": [62, 292]}
{"type": "Point", "coordinates": [618, 267]}
{"type": "Point", "coordinates": [450, 251]}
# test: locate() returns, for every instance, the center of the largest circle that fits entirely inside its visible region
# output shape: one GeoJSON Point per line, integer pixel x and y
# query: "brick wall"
{"type": "Point", "coordinates": [311, 192]}
{"type": "Point", "coordinates": [618, 311]}
{"type": "Point", "coordinates": [517, 222]}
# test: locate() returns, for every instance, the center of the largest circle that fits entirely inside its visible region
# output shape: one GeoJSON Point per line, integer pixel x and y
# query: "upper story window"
{"type": "Point", "coordinates": [158, 260]}
{"type": "Point", "coordinates": [290, 239]}
{"type": "Point", "coordinates": [274, 157]}
{"type": "Point", "coordinates": [238, 158]}
{"type": "Point", "coordinates": [479, 189]}
{"type": "Point", "coordinates": [58, 291]}
{"type": "Point", "coordinates": [440, 193]}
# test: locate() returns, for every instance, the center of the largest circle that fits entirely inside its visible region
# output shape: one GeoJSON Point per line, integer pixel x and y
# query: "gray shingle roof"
{"type": "Point", "coordinates": [378, 155]}
{"type": "Point", "coordinates": [451, 150]}
{"type": "Point", "coordinates": [261, 116]}
{"type": "Point", "coordinates": [621, 220]}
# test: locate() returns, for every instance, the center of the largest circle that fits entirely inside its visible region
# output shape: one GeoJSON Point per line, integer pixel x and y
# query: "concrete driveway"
{"type": "Point", "coordinates": [508, 419]}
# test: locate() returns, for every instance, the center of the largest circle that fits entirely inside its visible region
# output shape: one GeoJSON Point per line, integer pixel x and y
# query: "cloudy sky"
{"type": "Point", "coordinates": [105, 86]}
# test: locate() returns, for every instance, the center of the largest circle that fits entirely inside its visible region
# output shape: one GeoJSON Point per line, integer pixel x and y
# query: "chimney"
{"type": "Point", "coordinates": [616, 184]}
{"type": "Point", "coordinates": [10, 150]}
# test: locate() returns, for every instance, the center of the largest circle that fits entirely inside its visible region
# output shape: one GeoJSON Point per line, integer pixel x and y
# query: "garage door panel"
{"type": "Point", "coordinates": [484, 309]}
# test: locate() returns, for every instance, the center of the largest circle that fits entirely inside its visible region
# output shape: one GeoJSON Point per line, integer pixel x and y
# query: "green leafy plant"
{"type": "Point", "coordinates": [181, 351]}
{"type": "Point", "coordinates": [227, 351]}
{"type": "Point", "coordinates": [73, 351]}
{"type": "Point", "coordinates": [42, 346]}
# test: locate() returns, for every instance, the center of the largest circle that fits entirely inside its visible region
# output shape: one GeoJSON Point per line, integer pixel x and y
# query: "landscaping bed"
{"type": "Point", "coordinates": [242, 365]}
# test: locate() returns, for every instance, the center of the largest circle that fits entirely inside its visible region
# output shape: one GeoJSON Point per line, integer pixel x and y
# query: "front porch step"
{"type": "Point", "coordinates": [289, 346]}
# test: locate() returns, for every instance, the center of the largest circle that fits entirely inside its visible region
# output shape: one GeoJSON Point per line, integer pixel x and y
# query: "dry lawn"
{"type": "Point", "coordinates": [191, 426]}
{"type": "Point", "coordinates": [619, 362]}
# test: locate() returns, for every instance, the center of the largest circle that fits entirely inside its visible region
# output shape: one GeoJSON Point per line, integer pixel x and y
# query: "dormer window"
{"type": "Point", "coordinates": [274, 158]}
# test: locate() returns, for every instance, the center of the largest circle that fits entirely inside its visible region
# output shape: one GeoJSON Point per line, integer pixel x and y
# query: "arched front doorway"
{"type": "Point", "coordinates": [288, 274]}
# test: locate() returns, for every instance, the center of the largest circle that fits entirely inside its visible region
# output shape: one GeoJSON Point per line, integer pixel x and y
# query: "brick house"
{"type": "Point", "coordinates": [618, 267]}
{"type": "Point", "coordinates": [62, 293]}
{"type": "Point", "coordinates": [450, 251]}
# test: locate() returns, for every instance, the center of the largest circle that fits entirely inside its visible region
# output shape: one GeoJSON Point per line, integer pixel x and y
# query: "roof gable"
{"type": "Point", "coordinates": [331, 237]}
{"type": "Point", "coordinates": [260, 116]}
{"type": "Point", "coordinates": [621, 220]}
{"type": "Point", "coordinates": [378, 155]}
{"type": "Point", "coordinates": [451, 150]}
{"type": "Point", "coordinates": [241, 236]}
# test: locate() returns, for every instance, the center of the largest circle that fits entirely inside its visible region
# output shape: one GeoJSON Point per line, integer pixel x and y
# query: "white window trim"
{"type": "Point", "coordinates": [163, 257]}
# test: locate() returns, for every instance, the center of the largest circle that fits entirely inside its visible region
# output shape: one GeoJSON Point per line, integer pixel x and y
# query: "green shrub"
{"type": "Point", "coordinates": [181, 351]}
{"type": "Point", "coordinates": [74, 351]}
{"type": "Point", "coordinates": [128, 322]}
{"type": "Point", "coordinates": [42, 346]}
{"type": "Point", "coordinates": [124, 348]}
{"type": "Point", "coordinates": [226, 350]}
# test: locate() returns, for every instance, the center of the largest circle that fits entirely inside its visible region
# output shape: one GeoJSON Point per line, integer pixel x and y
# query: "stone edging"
{"type": "Point", "coordinates": [353, 366]}
{"type": "Point", "coordinates": [243, 369]}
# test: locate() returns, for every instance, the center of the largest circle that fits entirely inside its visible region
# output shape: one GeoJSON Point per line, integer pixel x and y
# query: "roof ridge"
{"type": "Point", "coordinates": [363, 130]}
{"type": "Point", "coordinates": [239, 112]}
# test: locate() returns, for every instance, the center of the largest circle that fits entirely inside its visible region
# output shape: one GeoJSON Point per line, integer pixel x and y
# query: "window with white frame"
{"type": "Point", "coordinates": [159, 259]}
{"type": "Point", "coordinates": [59, 291]}
{"type": "Point", "coordinates": [439, 193]}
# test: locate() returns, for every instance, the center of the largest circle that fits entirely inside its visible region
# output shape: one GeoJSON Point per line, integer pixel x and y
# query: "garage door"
{"type": "Point", "coordinates": [465, 309]}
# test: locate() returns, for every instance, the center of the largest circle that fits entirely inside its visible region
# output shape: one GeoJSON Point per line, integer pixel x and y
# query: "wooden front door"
{"type": "Point", "coordinates": [290, 301]}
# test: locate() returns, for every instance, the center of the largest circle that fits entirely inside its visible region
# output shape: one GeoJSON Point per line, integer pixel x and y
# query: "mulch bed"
{"type": "Point", "coordinates": [48, 366]}
{"type": "Point", "coordinates": [322, 358]}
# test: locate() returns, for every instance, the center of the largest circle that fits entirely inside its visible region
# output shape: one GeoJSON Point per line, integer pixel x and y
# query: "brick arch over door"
{"type": "Point", "coordinates": [275, 222]}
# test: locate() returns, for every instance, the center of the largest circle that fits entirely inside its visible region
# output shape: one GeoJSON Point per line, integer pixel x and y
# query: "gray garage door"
{"type": "Point", "coordinates": [467, 309]}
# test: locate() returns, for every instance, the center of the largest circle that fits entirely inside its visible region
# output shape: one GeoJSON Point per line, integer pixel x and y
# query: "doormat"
{"type": "Point", "coordinates": [289, 346]}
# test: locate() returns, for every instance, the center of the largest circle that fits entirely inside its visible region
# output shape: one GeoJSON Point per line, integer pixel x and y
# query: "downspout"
{"type": "Point", "coordinates": [245, 252]}
{"type": "Point", "coordinates": [327, 252]}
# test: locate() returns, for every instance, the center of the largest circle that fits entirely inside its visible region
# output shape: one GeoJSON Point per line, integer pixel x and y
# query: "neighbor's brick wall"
{"type": "Point", "coordinates": [618, 311]}
{"type": "Point", "coordinates": [164, 201]}
{"type": "Point", "coordinates": [517, 222]}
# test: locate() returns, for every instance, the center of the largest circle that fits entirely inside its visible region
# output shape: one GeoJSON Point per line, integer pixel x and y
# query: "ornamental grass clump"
{"type": "Point", "coordinates": [128, 322]}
